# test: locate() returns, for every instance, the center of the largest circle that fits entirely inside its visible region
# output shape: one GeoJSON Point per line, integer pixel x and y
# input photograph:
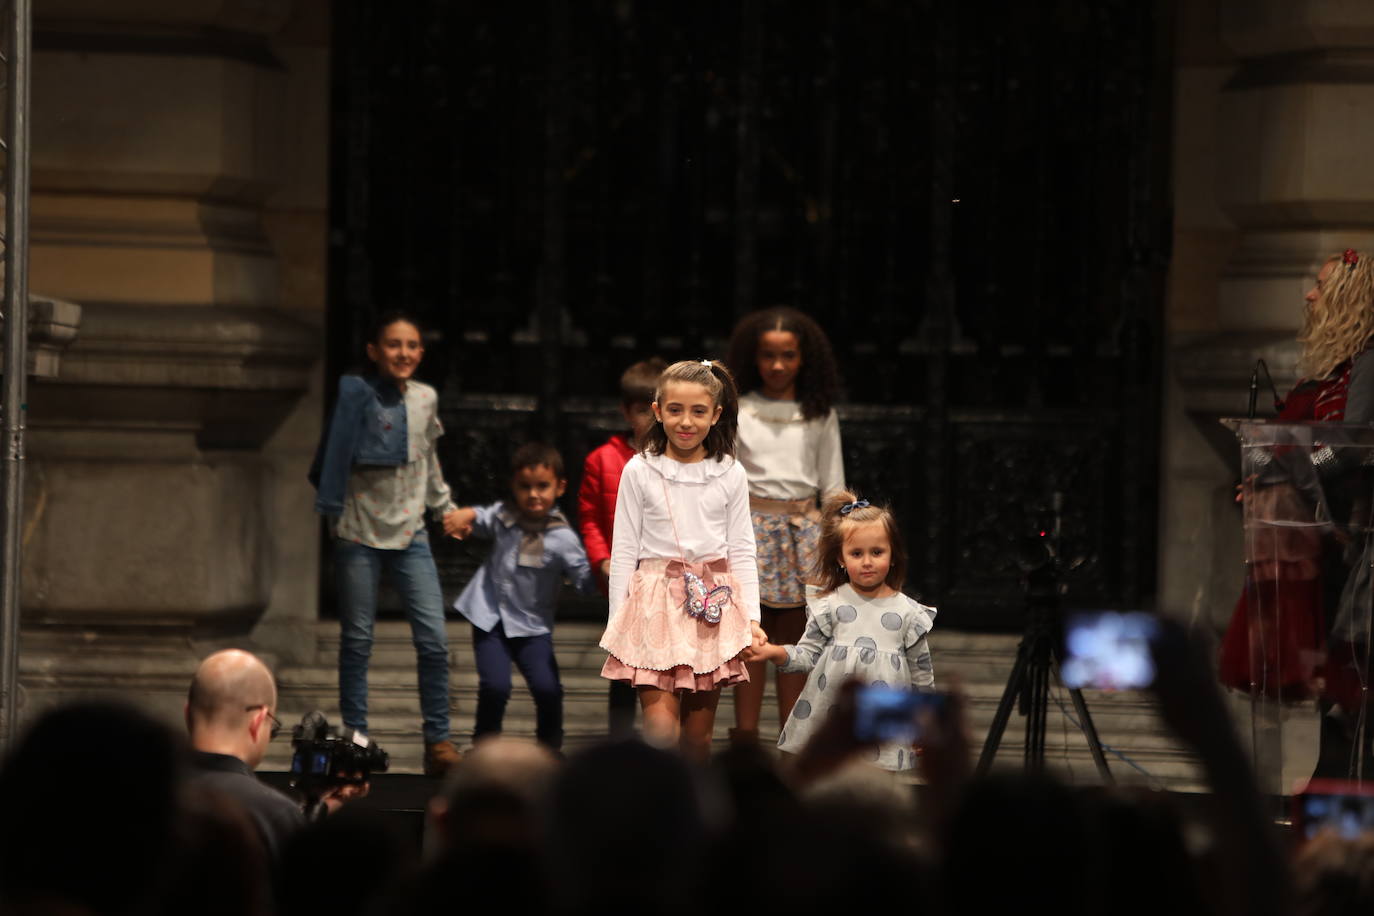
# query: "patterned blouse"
{"type": "Point", "coordinates": [385, 506]}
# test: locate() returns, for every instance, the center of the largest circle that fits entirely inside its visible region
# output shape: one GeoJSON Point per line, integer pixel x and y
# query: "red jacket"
{"type": "Point", "coordinates": [596, 498]}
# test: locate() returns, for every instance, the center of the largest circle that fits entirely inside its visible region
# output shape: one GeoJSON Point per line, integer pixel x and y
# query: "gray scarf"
{"type": "Point", "coordinates": [531, 554]}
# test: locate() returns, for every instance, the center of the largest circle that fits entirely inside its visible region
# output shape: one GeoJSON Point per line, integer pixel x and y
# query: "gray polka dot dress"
{"type": "Point", "coordinates": [879, 640]}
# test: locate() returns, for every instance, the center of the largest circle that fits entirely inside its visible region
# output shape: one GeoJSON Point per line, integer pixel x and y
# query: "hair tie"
{"type": "Point", "coordinates": [708, 364]}
{"type": "Point", "coordinates": [1351, 257]}
{"type": "Point", "coordinates": [856, 504]}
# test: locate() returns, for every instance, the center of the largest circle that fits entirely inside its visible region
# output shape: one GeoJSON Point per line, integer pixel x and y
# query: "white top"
{"type": "Point", "coordinates": [385, 506]}
{"type": "Point", "coordinates": [710, 504]}
{"type": "Point", "coordinates": [785, 456]}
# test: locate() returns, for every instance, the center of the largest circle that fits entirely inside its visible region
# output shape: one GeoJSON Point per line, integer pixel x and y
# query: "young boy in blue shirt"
{"type": "Point", "coordinates": [510, 601]}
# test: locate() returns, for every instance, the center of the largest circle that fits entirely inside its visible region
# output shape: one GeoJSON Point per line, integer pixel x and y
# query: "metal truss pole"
{"type": "Point", "coordinates": [18, 26]}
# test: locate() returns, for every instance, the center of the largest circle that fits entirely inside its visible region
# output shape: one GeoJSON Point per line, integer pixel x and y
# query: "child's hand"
{"type": "Point", "coordinates": [458, 523]}
{"type": "Point", "coordinates": [760, 637]}
{"type": "Point", "coordinates": [765, 653]}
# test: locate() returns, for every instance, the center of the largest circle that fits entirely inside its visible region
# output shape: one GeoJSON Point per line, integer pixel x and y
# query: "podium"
{"type": "Point", "coordinates": [1300, 634]}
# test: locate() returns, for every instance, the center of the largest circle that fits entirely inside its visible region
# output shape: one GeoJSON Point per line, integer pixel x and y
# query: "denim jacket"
{"type": "Point", "coordinates": [368, 426]}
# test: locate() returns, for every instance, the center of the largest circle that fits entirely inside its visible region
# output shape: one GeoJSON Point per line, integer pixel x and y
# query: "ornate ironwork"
{"type": "Point", "coordinates": [977, 220]}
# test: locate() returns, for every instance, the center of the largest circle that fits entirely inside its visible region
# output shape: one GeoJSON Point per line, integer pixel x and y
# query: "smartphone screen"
{"type": "Point", "coordinates": [891, 714]}
{"type": "Point", "coordinates": [1109, 650]}
{"type": "Point", "coordinates": [1344, 807]}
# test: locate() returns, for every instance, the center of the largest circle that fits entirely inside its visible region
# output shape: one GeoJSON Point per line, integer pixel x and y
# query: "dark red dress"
{"type": "Point", "coordinates": [1288, 632]}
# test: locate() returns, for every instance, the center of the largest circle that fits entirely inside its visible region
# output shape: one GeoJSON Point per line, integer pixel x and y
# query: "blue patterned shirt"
{"type": "Point", "coordinates": [519, 588]}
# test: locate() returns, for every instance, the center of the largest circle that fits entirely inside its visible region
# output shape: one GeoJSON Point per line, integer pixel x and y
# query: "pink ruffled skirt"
{"type": "Point", "coordinates": [653, 642]}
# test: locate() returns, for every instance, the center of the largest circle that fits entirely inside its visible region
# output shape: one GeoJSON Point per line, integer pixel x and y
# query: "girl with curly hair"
{"type": "Point", "coordinates": [789, 445]}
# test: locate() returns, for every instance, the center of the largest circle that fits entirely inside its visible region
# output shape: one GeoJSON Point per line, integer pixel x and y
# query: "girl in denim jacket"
{"type": "Point", "coordinates": [376, 472]}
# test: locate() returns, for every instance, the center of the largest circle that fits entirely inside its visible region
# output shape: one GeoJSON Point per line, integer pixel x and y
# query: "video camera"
{"type": "Point", "coordinates": [324, 758]}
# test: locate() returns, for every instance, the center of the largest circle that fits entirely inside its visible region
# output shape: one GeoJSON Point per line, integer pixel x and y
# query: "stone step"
{"type": "Point", "coordinates": [584, 703]}
{"type": "Point", "coordinates": [585, 699]}
{"type": "Point", "coordinates": [391, 642]}
{"type": "Point", "coordinates": [977, 657]}
{"type": "Point", "coordinates": [1127, 721]}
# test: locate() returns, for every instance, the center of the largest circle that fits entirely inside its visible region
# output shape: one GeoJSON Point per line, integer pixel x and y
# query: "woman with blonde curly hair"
{"type": "Point", "coordinates": [1292, 595]}
{"type": "Point", "coordinates": [1337, 328]}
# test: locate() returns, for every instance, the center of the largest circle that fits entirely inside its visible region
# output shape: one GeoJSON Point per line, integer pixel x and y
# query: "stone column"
{"type": "Point", "coordinates": [180, 162]}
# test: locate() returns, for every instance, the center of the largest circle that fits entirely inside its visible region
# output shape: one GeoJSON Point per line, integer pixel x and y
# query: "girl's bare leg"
{"type": "Point", "coordinates": [788, 625]}
{"type": "Point", "coordinates": [698, 724]}
{"type": "Point", "coordinates": [749, 699]}
{"type": "Point", "coordinates": [749, 696]}
{"type": "Point", "coordinates": [662, 716]}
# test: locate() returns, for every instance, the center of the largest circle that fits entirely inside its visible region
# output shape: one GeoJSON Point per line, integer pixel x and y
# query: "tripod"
{"type": "Point", "coordinates": [1030, 677]}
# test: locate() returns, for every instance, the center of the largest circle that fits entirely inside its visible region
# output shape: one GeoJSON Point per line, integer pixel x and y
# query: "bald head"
{"type": "Point", "coordinates": [493, 798]}
{"type": "Point", "coordinates": [226, 684]}
{"type": "Point", "coordinates": [521, 767]}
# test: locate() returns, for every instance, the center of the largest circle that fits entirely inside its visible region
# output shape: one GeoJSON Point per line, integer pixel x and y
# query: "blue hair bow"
{"type": "Point", "coordinates": [856, 504]}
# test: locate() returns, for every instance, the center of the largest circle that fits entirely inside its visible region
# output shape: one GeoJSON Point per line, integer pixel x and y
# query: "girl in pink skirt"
{"type": "Point", "coordinates": [684, 589]}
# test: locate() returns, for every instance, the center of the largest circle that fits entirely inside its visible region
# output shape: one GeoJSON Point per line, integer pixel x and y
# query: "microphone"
{"type": "Point", "coordinates": [1254, 389]}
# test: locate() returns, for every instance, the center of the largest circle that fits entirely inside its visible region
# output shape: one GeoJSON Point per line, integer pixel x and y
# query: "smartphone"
{"type": "Point", "coordinates": [1334, 804]}
{"type": "Point", "coordinates": [1109, 650]}
{"type": "Point", "coordinates": [891, 714]}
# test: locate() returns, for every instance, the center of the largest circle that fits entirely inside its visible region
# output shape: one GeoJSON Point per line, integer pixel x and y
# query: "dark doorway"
{"type": "Point", "coordinates": [971, 198]}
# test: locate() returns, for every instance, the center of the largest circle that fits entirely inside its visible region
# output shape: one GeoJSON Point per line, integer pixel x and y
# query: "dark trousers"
{"type": "Point", "coordinates": [533, 655]}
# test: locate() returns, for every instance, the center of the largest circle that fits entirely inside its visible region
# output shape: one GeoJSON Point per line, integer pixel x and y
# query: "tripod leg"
{"type": "Point", "coordinates": [1080, 706]}
{"type": "Point", "coordinates": [999, 721]}
{"type": "Point", "coordinates": [1036, 714]}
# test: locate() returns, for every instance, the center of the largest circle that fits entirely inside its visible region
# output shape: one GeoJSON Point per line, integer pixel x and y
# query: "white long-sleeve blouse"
{"type": "Point", "coordinates": [710, 510]}
{"type": "Point", "coordinates": [785, 455]}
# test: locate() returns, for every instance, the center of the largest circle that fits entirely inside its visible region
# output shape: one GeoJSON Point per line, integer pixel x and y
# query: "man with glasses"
{"type": "Point", "coordinates": [231, 717]}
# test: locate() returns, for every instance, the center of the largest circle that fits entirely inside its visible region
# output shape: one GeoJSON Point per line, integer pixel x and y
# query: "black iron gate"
{"type": "Point", "coordinates": [970, 197]}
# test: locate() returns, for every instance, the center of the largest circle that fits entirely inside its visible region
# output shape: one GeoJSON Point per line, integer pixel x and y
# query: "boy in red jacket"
{"type": "Point", "coordinates": [596, 502]}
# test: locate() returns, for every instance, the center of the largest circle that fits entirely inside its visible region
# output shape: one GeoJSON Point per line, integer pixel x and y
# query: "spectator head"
{"type": "Point", "coordinates": [89, 801]}
{"type": "Point", "coordinates": [231, 707]}
{"type": "Point", "coordinates": [495, 797]}
{"type": "Point", "coordinates": [620, 812]}
{"type": "Point", "coordinates": [1334, 875]}
{"type": "Point", "coordinates": [1029, 824]}
{"type": "Point", "coordinates": [344, 865]}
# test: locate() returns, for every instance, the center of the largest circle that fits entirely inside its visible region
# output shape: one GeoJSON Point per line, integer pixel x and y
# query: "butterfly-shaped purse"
{"type": "Point", "coordinates": [701, 601]}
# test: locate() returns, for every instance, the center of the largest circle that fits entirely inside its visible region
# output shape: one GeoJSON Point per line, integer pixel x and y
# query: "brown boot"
{"type": "Point", "coordinates": [441, 757]}
{"type": "Point", "coordinates": [744, 737]}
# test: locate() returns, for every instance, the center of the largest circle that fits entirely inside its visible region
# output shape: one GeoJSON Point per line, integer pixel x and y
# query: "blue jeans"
{"type": "Point", "coordinates": [533, 655]}
{"type": "Point", "coordinates": [359, 569]}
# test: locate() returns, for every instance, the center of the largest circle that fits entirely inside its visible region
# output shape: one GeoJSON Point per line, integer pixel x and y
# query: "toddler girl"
{"type": "Point", "coordinates": [858, 622]}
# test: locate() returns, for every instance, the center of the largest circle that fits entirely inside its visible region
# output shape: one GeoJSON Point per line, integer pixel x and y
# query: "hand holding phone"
{"type": "Point", "coordinates": [1109, 650]}
{"type": "Point", "coordinates": [1346, 807]}
{"type": "Point", "coordinates": [884, 714]}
